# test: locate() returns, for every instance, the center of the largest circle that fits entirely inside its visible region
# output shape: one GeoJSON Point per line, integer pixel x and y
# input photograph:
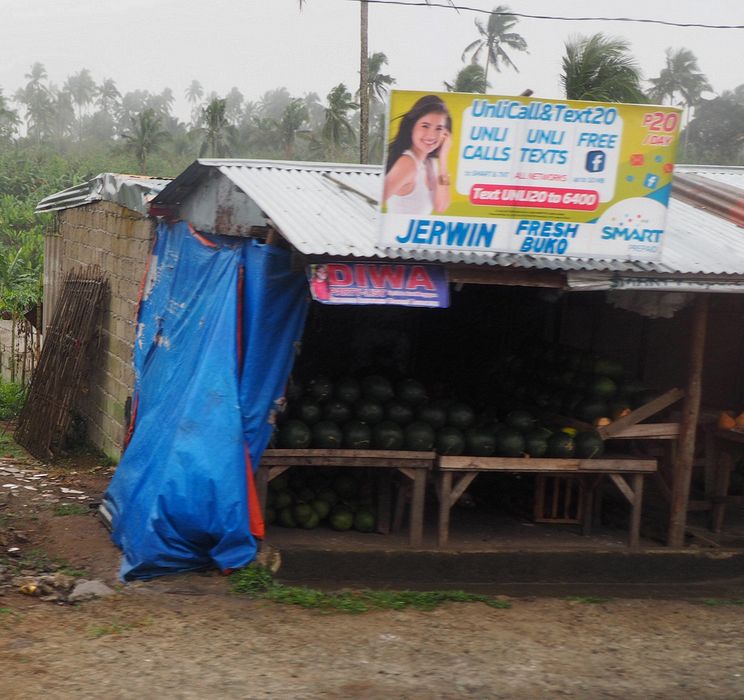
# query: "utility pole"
{"type": "Point", "coordinates": [363, 85]}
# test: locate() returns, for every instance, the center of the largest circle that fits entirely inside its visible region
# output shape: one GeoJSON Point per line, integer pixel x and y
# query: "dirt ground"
{"type": "Point", "coordinates": [190, 637]}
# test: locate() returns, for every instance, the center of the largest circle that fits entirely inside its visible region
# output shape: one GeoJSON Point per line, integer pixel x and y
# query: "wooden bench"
{"type": "Point", "coordinates": [413, 465]}
{"type": "Point", "coordinates": [455, 474]}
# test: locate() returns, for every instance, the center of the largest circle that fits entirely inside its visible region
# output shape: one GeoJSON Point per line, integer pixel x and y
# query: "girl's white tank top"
{"type": "Point", "coordinates": [420, 200]}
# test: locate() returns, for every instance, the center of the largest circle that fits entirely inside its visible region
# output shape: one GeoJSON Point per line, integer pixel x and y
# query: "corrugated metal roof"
{"type": "Point", "coordinates": [331, 209]}
{"type": "Point", "coordinates": [727, 174]}
{"type": "Point", "coordinates": [131, 191]}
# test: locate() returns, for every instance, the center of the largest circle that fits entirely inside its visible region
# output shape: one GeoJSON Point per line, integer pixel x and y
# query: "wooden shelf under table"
{"type": "Point", "coordinates": [413, 465]}
{"type": "Point", "coordinates": [455, 474]}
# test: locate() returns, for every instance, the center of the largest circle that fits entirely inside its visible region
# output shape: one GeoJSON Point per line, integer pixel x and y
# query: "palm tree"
{"type": "Point", "coordinates": [261, 135]}
{"type": "Point", "coordinates": [132, 104]}
{"type": "Point", "coordinates": [9, 119]}
{"type": "Point", "coordinates": [680, 81]}
{"type": "Point", "coordinates": [146, 136]}
{"type": "Point", "coordinates": [294, 118]}
{"type": "Point", "coordinates": [194, 92]}
{"type": "Point", "coordinates": [363, 77]}
{"type": "Point", "coordinates": [273, 103]}
{"type": "Point", "coordinates": [108, 96]}
{"type": "Point", "coordinates": [37, 100]}
{"type": "Point", "coordinates": [378, 83]}
{"type": "Point", "coordinates": [337, 129]}
{"type": "Point", "coordinates": [234, 104]}
{"type": "Point", "coordinates": [494, 36]}
{"type": "Point", "coordinates": [82, 89]}
{"type": "Point", "coordinates": [472, 78]}
{"type": "Point", "coordinates": [601, 68]}
{"type": "Point", "coordinates": [216, 130]}
{"type": "Point", "coordinates": [62, 121]}
{"type": "Point", "coordinates": [377, 138]}
{"type": "Point", "coordinates": [363, 92]}
{"type": "Point", "coordinates": [315, 110]}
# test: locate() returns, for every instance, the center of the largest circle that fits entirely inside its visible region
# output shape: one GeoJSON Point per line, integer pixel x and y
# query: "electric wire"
{"type": "Point", "coordinates": [524, 15]}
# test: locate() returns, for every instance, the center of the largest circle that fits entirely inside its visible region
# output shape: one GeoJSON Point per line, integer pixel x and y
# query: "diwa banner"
{"type": "Point", "coordinates": [396, 284]}
{"type": "Point", "coordinates": [486, 173]}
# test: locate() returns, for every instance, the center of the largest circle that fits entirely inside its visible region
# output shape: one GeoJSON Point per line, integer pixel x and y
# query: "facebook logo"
{"type": "Point", "coordinates": [651, 181]}
{"type": "Point", "coordinates": [595, 161]}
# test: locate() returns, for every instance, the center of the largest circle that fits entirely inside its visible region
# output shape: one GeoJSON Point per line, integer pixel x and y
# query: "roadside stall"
{"type": "Point", "coordinates": [461, 366]}
{"type": "Point", "coordinates": [512, 304]}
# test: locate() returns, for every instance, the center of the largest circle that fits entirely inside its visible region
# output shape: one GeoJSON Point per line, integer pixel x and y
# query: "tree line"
{"type": "Point", "coordinates": [52, 136]}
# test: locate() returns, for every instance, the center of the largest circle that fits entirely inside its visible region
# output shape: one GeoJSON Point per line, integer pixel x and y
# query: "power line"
{"type": "Point", "coordinates": [523, 15]}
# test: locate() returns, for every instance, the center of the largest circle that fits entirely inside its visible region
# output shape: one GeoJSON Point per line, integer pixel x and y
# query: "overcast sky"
{"type": "Point", "coordinates": [257, 45]}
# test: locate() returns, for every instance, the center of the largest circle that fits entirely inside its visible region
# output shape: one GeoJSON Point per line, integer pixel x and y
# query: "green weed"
{"type": "Point", "coordinates": [8, 616]}
{"type": "Point", "coordinates": [715, 602]}
{"type": "Point", "coordinates": [9, 447]}
{"type": "Point", "coordinates": [39, 560]}
{"type": "Point", "coordinates": [258, 582]}
{"type": "Point", "coordinates": [113, 628]}
{"type": "Point", "coordinates": [117, 627]}
{"type": "Point", "coordinates": [588, 599]}
{"type": "Point", "coordinates": [62, 509]}
{"type": "Point", "coordinates": [12, 396]}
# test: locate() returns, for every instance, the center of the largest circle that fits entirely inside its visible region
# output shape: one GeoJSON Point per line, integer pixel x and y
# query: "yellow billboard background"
{"type": "Point", "coordinates": [635, 153]}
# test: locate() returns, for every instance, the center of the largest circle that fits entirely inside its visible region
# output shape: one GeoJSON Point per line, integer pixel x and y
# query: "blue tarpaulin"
{"type": "Point", "coordinates": [218, 326]}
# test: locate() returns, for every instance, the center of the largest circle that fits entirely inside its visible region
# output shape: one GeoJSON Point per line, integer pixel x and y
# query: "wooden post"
{"type": "Point", "coordinates": [445, 503]}
{"type": "Point", "coordinates": [634, 535]}
{"type": "Point", "coordinates": [688, 425]}
{"type": "Point", "coordinates": [417, 507]}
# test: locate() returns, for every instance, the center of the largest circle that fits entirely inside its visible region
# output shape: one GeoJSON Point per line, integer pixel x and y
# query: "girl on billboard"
{"type": "Point", "coordinates": [417, 180]}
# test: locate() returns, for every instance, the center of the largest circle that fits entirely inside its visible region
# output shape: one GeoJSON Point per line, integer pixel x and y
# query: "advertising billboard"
{"type": "Point", "coordinates": [525, 175]}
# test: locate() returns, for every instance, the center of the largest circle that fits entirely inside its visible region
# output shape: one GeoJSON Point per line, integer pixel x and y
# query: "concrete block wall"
{"type": "Point", "coordinates": [118, 240]}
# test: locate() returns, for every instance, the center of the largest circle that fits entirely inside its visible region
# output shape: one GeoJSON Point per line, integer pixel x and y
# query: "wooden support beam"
{"type": "Point", "coordinates": [623, 487]}
{"type": "Point", "coordinates": [688, 425]}
{"type": "Point", "coordinates": [649, 431]}
{"type": "Point", "coordinates": [641, 413]}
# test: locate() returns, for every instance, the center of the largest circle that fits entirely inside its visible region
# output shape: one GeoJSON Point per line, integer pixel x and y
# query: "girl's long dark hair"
{"type": "Point", "coordinates": [429, 104]}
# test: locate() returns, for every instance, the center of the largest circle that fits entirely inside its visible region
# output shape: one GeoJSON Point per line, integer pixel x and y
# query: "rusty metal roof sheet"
{"type": "Point", "coordinates": [331, 209]}
{"type": "Point", "coordinates": [131, 191]}
{"type": "Point", "coordinates": [727, 174]}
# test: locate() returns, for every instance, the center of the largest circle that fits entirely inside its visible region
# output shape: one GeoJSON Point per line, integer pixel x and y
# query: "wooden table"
{"type": "Point", "coordinates": [413, 465]}
{"type": "Point", "coordinates": [455, 474]}
{"type": "Point", "coordinates": [724, 445]}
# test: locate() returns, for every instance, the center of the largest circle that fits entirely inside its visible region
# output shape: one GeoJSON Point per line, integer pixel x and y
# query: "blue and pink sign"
{"type": "Point", "coordinates": [397, 284]}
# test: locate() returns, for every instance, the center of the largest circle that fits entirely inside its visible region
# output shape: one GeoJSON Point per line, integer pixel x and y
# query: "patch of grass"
{"type": "Point", "coordinates": [8, 616]}
{"type": "Point", "coordinates": [113, 628]}
{"type": "Point", "coordinates": [8, 446]}
{"type": "Point", "coordinates": [715, 602]}
{"type": "Point", "coordinates": [257, 582]}
{"type": "Point", "coordinates": [588, 599]}
{"type": "Point", "coordinates": [62, 509]}
{"type": "Point", "coordinates": [117, 627]}
{"type": "Point", "coordinates": [12, 396]}
{"type": "Point", "coordinates": [39, 560]}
